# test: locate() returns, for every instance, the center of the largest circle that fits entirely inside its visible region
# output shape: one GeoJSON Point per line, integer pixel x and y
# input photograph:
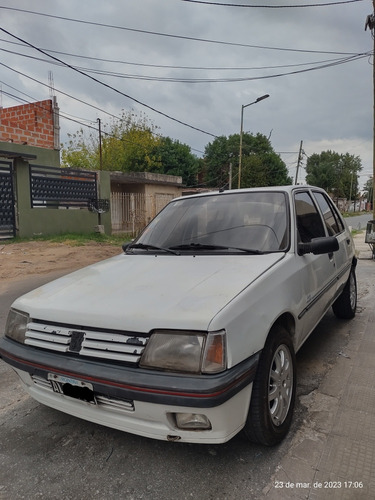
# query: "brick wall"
{"type": "Point", "coordinates": [31, 124]}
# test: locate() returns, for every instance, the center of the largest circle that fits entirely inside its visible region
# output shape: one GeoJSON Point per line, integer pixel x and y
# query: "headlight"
{"type": "Point", "coordinates": [16, 325]}
{"type": "Point", "coordinates": [192, 352]}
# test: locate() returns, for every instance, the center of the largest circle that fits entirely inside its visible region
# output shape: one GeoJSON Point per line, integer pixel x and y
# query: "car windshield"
{"type": "Point", "coordinates": [248, 221]}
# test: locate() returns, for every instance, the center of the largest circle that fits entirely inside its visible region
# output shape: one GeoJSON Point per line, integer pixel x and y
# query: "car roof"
{"type": "Point", "coordinates": [285, 189]}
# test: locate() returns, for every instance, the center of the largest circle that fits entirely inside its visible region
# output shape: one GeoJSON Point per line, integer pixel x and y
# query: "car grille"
{"type": "Point", "coordinates": [86, 342]}
{"type": "Point", "coordinates": [104, 402]}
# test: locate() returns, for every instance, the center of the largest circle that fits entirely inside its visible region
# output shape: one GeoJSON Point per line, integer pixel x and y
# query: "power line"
{"type": "Point", "coordinates": [227, 80]}
{"type": "Point", "coordinates": [323, 65]}
{"type": "Point", "coordinates": [63, 115]}
{"type": "Point", "coordinates": [168, 35]}
{"type": "Point", "coordinates": [327, 4]}
{"type": "Point", "coordinates": [75, 119]}
{"type": "Point", "coordinates": [166, 66]}
{"type": "Point", "coordinates": [59, 91]}
{"type": "Point", "coordinates": [109, 86]}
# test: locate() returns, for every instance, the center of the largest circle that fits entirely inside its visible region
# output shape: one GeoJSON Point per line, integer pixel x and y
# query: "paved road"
{"type": "Point", "coordinates": [359, 221]}
{"type": "Point", "coordinates": [47, 454]}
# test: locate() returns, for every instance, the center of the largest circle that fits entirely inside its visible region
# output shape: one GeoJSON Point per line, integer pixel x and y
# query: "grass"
{"type": "Point", "coordinates": [73, 239]}
{"type": "Point", "coordinates": [353, 214]}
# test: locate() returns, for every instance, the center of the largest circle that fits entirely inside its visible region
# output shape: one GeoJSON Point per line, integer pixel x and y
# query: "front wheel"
{"type": "Point", "coordinates": [346, 304]}
{"type": "Point", "coordinates": [274, 387]}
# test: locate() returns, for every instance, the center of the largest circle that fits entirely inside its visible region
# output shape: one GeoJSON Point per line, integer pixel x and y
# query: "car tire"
{"type": "Point", "coordinates": [274, 388]}
{"type": "Point", "coordinates": [346, 304]}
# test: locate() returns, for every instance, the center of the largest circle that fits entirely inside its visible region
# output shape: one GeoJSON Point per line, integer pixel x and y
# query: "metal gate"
{"type": "Point", "coordinates": [7, 215]}
{"type": "Point", "coordinates": [131, 212]}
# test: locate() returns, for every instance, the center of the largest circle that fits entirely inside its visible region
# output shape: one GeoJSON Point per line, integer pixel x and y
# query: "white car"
{"type": "Point", "coordinates": [190, 335]}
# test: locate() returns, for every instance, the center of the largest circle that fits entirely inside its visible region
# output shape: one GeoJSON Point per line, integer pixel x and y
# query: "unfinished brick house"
{"type": "Point", "coordinates": [35, 124]}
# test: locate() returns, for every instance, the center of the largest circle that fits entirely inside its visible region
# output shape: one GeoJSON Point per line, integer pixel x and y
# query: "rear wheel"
{"type": "Point", "coordinates": [274, 387]}
{"type": "Point", "coordinates": [346, 304]}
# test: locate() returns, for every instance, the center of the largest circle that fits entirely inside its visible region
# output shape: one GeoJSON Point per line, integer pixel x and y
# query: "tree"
{"type": "Point", "coordinates": [334, 172]}
{"type": "Point", "coordinates": [218, 155]}
{"type": "Point", "coordinates": [321, 170]}
{"type": "Point", "coordinates": [130, 144]}
{"type": "Point", "coordinates": [82, 151]}
{"type": "Point", "coordinates": [348, 179]}
{"type": "Point", "coordinates": [176, 159]}
{"type": "Point", "coordinates": [131, 147]}
{"type": "Point", "coordinates": [261, 166]}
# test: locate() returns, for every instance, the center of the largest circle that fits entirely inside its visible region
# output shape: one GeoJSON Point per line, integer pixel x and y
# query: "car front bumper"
{"type": "Point", "coordinates": [139, 401]}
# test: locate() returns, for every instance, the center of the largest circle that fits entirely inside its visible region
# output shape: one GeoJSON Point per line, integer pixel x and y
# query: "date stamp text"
{"type": "Point", "coordinates": [317, 485]}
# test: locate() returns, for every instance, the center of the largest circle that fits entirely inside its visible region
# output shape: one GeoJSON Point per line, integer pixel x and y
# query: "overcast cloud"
{"type": "Point", "coordinates": [329, 108]}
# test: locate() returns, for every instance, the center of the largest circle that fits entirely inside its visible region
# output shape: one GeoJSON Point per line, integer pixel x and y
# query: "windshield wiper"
{"type": "Point", "coordinates": [201, 246]}
{"type": "Point", "coordinates": [146, 246]}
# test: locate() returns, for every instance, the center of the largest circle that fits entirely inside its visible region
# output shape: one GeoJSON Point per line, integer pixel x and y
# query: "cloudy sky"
{"type": "Point", "coordinates": [190, 65]}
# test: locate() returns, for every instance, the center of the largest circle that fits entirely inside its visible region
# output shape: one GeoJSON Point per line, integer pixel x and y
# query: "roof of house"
{"type": "Point", "coordinates": [145, 178]}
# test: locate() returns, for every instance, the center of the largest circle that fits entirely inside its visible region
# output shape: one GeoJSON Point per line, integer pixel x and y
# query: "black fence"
{"type": "Point", "coordinates": [61, 187]}
{"type": "Point", "coordinates": [7, 216]}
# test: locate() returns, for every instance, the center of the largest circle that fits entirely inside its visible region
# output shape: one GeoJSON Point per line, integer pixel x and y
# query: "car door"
{"type": "Point", "coordinates": [335, 227]}
{"type": "Point", "coordinates": [317, 272]}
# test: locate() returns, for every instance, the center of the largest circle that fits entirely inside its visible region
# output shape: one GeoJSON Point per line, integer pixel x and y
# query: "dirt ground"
{"type": "Point", "coordinates": [18, 260]}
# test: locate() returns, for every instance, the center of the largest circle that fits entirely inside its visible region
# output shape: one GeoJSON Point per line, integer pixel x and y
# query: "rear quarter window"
{"type": "Point", "coordinates": [332, 219]}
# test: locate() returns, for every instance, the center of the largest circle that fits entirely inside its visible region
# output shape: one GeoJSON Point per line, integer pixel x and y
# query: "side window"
{"type": "Point", "coordinates": [332, 220]}
{"type": "Point", "coordinates": [309, 222]}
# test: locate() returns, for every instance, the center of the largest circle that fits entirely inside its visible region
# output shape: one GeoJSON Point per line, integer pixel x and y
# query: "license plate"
{"type": "Point", "coordinates": [72, 387]}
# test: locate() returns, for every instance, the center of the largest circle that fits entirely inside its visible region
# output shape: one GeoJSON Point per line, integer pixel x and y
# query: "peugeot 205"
{"type": "Point", "coordinates": [190, 334]}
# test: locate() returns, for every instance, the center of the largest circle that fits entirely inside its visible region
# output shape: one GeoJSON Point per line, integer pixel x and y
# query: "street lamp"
{"type": "Point", "coordinates": [241, 133]}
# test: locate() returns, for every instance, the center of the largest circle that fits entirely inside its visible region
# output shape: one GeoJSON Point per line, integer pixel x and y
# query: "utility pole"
{"type": "Point", "coordinates": [370, 24]}
{"type": "Point", "coordinates": [299, 161]}
{"type": "Point", "coordinates": [100, 168]}
{"type": "Point", "coordinates": [100, 144]}
{"type": "Point", "coordinates": [373, 141]}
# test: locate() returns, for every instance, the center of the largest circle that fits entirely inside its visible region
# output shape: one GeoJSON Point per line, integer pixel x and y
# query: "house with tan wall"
{"type": "Point", "coordinates": [136, 197]}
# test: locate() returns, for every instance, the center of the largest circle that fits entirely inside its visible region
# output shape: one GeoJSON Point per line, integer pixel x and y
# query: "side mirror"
{"type": "Point", "coordinates": [319, 246]}
{"type": "Point", "coordinates": [125, 246]}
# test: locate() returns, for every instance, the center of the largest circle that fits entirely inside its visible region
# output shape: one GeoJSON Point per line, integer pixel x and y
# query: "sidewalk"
{"type": "Point", "coordinates": [333, 454]}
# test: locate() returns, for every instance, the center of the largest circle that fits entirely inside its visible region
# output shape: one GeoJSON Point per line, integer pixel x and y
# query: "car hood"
{"type": "Point", "coordinates": [142, 292]}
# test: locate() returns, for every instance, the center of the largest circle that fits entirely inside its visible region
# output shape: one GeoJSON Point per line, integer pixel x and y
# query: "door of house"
{"type": "Point", "coordinates": [7, 208]}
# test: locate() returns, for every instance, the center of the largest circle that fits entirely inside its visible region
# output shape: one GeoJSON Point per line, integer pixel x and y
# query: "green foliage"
{"type": "Point", "coordinates": [75, 239]}
{"type": "Point", "coordinates": [334, 172]}
{"type": "Point", "coordinates": [260, 165]}
{"type": "Point", "coordinates": [218, 155]}
{"type": "Point", "coordinates": [82, 151]}
{"type": "Point", "coordinates": [130, 144]}
{"type": "Point", "coordinates": [132, 150]}
{"type": "Point", "coordinates": [369, 185]}
{"type": "Point", "coordinates": [177, 159]}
